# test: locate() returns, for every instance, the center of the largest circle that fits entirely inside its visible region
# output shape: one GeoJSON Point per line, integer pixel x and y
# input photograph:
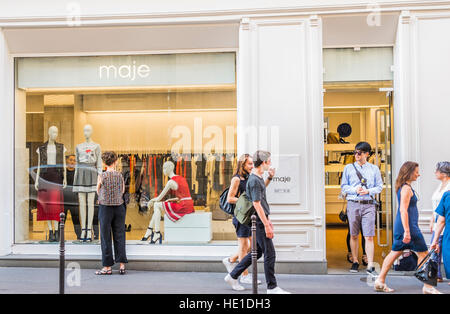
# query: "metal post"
{"type": "Point", "coordinates": [254, 257]}
{"type": "Point", "coordinates": [62, 251]}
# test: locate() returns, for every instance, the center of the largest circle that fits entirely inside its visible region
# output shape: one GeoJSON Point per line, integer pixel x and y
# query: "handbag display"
{"type": "Point", "coordinates": [427, 270]}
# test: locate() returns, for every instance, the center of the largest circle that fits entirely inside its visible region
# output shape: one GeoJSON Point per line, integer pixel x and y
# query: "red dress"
{"type": "Point", "coordinates": [175, 211]}
{"type": "Point", "coordinates": [50, 202]}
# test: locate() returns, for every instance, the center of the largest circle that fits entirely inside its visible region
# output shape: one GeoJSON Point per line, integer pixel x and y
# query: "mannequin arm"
{"type": "Point", "coordinates": [38, 172]}
{"type": "Point", "coordinates": [65, 171]}
{"type": "Point", "coordinates": [98, 153]}
{"type": "Point", "coordinates": [171, 185]}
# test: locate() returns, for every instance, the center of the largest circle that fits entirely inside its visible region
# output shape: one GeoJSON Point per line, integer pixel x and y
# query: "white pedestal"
{"type": "Point", "coordinates": [191, 228]}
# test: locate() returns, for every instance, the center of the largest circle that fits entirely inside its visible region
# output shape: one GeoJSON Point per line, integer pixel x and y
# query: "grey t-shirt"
{"type": "Point", "coordinates": [256, 191]}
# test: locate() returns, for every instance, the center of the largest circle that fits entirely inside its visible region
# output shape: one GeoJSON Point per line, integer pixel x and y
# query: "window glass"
{"type": "Point", "coordinates": [69, 111]}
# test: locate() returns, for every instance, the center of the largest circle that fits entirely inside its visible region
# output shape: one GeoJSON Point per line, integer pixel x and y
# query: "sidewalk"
{"type": "Point", "coordinates": [45, 280]}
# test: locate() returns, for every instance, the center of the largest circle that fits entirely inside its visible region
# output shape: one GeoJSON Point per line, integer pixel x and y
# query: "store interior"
{"type": "Point", "coordinates": [142, 126]}
{"type": "Point", "coordinates": [354, 112]}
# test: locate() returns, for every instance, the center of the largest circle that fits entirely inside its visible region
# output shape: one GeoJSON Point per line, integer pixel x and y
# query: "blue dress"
{"type": "Point", "coordinates": [443, 209]}
{"type": "Point", "coordinates": [417, 242]}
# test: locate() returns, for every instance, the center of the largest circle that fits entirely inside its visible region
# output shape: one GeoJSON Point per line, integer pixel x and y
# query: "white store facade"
{"type": "Point", "coordinates": [272, 91]}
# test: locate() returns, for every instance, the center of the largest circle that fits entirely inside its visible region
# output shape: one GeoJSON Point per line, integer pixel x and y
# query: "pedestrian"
{"type": "Point", "coordinates": [443, 246]}
{"type": "Point", "coordinates": [349, 248]}
{"type": "Point", "coordinates": [243, 232]}
{"type": "Point", "coordinates": [442, 174]}
{"type": "Point", "coordinates": [256, 193]}
{"type": "Point", "coordinates": [361, 182]}
{"type": "Point", "coordinates": [112, 212]}
{"type": "Point", "coordinates": [407, 234]}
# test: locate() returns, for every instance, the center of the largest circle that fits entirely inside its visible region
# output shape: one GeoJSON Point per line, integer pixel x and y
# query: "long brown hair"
{"type": "Point", "coordinates": [405, 174]}
{"type": "Point", "coordinates": [241, 164]}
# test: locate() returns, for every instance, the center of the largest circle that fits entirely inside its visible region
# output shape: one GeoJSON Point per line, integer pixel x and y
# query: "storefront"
{"type": "Point", "coordinates": [200, 90]}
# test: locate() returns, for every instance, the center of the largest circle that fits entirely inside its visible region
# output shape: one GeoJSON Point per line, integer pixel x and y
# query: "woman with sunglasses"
{"type": "Point", "coordinates": [407, 234]}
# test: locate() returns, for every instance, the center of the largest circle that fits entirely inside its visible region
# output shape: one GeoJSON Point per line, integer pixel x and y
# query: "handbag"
{"type": "Point", "coordinates": [223, 203]}
{"type": "Point", "coordinates": [343, 214]}
{"type": "Point", "coordinates": [244, 210]}
{"type": "Point", "coordinates": [408, 262]}
{"type": "Point", "coordinates": [427, 270]}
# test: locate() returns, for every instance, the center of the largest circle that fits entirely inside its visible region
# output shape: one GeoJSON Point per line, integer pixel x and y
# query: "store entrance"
{"type": "Point", "coordinates": [354, 112]}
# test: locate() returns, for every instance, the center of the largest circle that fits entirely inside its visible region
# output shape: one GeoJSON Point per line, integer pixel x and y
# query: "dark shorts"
{"type": "Point", "coordinates": [417, 243]}
{"type": "Point", "coordinates": [242, 231]}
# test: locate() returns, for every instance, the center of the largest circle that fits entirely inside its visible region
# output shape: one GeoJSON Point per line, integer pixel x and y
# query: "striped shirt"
{"type": "Point", "coordinates": [111, 189]}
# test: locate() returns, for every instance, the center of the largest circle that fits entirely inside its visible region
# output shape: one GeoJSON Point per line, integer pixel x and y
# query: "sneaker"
{"type": "Point", "coordinates": [431, 290]}
{"type": "Point", "coordinates": [371, 271]}
{"type": "Point", "coordinates": [277, 290]}
{"type": "Point", "coordinates": [354, 268]}
{"type": "Point", "coordinates": [248, 279]}
{"type": "Point", "coordinates": [233, 283]}
{"type": "Point", "coordinates": [228, 265]}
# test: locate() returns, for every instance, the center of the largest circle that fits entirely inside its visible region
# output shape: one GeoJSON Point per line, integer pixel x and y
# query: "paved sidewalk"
{"type": "Point", "coordinates": [45, 280]}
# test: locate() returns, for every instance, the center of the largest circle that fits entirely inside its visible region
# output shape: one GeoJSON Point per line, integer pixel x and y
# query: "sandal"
{"type": "Point", "coordinates": [350, 257]}
{"type": "Point", "coordinates": [382, 287]}
{"type": "Point", "coordinates": [122, 271]}
{"type": "Point", "coordinates": [104, 272]}
{"type": "Point", "coordinates": [365, 261]}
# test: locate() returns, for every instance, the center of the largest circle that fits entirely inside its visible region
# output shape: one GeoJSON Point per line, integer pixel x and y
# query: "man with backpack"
{"type": "Point", "coordinates": [361, 181]}
{"type": "Point", "coordinates": [256, 193]}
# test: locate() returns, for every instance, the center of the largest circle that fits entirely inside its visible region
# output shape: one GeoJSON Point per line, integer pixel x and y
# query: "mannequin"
{"type": "Point", "coordinates": [51, 178]}
{"type": "Point", "coordinates": [89, 166]}
{"type": "Point", "coordinates": [175, 208]}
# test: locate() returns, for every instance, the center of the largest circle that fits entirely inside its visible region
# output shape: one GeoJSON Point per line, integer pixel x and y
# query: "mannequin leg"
{"type": "Point", "coordinates": [91, 199]}
{"type": "Point", "coordinates": [151, 226]}
{"type": "Point", "coordinates": [82, 202]}
{"type": "Point", "coordinates": [157, 213]}
{"type": "Point", "coordinates": [51, 236]}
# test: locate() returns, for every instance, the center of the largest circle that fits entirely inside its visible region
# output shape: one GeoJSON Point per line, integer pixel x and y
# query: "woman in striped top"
{"type": "Point", "coordinates": [112, 212]}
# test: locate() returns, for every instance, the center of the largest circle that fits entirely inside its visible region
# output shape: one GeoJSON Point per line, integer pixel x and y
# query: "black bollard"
{"type": "Point", "coordinates": [62, 251]}
{"type": "Point", "coordinates": [254, 257]}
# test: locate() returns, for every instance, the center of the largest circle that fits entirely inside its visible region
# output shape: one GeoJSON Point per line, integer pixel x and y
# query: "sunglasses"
{"type": "Point", "coordinates": [358, 152]}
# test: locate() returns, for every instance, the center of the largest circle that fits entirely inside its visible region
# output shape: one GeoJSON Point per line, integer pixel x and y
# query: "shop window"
{"type": "Point", "coordinates": [149, 110]}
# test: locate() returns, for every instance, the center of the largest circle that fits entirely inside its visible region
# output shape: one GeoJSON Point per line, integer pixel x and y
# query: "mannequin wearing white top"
{"type": "Point", "coordinates": [87, 197]}
{"type": "Point", "coordinates": [51, 160]}
{"type": "Point", "coordinates": [158, 209]}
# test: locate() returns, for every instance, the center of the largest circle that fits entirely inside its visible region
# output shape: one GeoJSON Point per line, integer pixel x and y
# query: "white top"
{"type": "Point", "coordinates": [436, 198]}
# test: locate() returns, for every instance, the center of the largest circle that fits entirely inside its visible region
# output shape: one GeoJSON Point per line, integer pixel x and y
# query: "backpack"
{"type": "Point", "coordinates": [224, 205]}
{"type": "Point", "coordinates": [244, 209]}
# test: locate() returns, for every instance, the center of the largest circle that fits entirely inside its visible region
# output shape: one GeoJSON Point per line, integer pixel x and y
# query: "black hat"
{"type": "Point", "coordinates": [344, 130]}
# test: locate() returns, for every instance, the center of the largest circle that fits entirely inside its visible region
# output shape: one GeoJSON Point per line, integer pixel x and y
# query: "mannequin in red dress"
{"type": "Point", "coordinates": [176, 207]}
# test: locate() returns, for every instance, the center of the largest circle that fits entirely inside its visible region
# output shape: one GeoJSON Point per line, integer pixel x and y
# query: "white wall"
{"type": "Point", "coordinates": [422, 105]}
{"type": "Point", "coordinates": [51, 8]}
{"type": "Point", "coordinates": [7, 155]}
{"type": "Point", "coordinates": [280, 65]}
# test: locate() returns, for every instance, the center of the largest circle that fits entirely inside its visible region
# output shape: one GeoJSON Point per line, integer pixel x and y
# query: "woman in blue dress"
{"type": "Point", "coordinates": [407, 234]}
{"type": "Point", "coordinates": [443, 210]}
